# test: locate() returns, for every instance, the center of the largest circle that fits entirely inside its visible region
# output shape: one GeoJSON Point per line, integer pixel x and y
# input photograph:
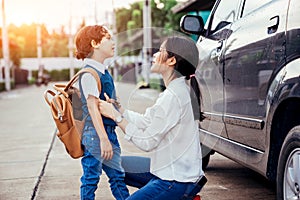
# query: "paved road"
{"type": "Point", "coordinates": [34, 164]}
{"type": "Point", "coordinates": [228, 180]}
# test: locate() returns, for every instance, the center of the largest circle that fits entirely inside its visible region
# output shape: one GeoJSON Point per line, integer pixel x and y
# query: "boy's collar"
{"type": "Point", "coordinates": [99, 66]}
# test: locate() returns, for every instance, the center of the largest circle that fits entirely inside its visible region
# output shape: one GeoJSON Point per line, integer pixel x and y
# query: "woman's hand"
{"type": "Point", "coordinates": [107, 109]}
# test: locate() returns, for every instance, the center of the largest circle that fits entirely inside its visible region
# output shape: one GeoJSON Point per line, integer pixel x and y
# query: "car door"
{"type": "Point", "coordinates": [254, 53]}
{"type": "Point", "coordinates": [210, 69]}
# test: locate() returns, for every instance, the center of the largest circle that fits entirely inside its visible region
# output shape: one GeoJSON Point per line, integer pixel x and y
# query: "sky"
{"type": "Point", "coordinates": [57, 13]}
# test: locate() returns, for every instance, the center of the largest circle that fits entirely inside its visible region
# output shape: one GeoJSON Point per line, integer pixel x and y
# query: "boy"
{"type": "Point", "coordinates": [99, 140]}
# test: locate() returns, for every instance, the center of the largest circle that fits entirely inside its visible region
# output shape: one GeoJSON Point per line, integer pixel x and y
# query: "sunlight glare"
{"type": "Point", "coordinates": [57, 13]}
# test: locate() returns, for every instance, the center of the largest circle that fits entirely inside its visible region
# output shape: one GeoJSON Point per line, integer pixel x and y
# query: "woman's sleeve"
{"type": "Point", "coordinates": [162, 117]}
{"type": "Point", "coordinates": [140, 120]}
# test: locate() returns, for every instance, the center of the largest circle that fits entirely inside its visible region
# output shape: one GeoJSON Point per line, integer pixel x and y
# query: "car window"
{"type": "Point", "coordinates": [251, 5]}
{"type": "Point", "coordinates": [225, 14]}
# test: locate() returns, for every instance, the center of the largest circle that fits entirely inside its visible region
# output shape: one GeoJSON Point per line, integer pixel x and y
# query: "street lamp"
{"type": "Point", "coordinates": [39, 51]}
{"type": "Point", "coordinates": [71, 45]}
{"type": "Point", "coordinates": [147, 39]}
{"type": "Point", "coordinates": [114, 22]}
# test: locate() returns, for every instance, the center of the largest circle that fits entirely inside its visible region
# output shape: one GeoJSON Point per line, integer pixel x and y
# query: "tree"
{"type": "Point", "coordinates": [15, 51]}
{"type": "Point", "coordinates": [161, 17]}
{"type": "Point", "coordinates": [164, 17]}
{"type": "Point", "coordinates": [24, 39]}
{"type": "Point", "coordinates": [137, 18]}
{"type": "Point", "coordinates": [56, 45]}
{"type": "Point", "coordinates": [130, 20]}
{"type": "Point", "coordinates": [123, 15]}
{"type": "Point", "coordinates": [15, 54]}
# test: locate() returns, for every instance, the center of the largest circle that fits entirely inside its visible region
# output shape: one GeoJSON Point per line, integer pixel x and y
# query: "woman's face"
{"type": "Point", "coordinates": [159, 60]}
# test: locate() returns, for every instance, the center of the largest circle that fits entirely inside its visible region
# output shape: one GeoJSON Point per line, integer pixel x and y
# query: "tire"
{"type": "Point", "coordinates": [288, 171]}
{"type": "Point", "coordinates": [206, 152]}
{"type": "Point", "coordinates": [205, 161]}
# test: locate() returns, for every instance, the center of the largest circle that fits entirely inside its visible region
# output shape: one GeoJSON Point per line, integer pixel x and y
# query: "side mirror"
{"type": "Point", "coordinates": [192, 24]}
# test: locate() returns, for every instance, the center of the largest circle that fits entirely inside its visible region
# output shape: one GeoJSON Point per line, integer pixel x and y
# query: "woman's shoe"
{"type": "Point", "coordinates": [197, 197]}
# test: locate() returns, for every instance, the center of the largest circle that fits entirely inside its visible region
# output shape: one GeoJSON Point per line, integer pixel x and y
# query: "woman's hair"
{"type": "Point", "coordinates": [186, 54]}
{"type": "Point", "coordinates": [84, 37]}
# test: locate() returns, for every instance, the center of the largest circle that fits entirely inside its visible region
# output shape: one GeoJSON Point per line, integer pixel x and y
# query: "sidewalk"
{"type": "Point", "coordinates": [33, 162]}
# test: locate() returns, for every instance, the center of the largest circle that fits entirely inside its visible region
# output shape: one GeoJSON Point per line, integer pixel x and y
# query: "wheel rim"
{"type": "Point", "coordinates": [291, 181]}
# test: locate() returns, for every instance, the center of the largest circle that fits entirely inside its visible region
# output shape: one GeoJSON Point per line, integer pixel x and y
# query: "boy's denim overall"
{"type": "Point", "coordinates": [92, 163]}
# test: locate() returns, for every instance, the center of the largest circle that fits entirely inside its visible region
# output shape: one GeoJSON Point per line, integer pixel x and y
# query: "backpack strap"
{"type": "Point", "coordinates": [46, 96]}
{"type": "Point", "coordinates": [64, 88]}
{"type": "Point", "coordinates": [94, 74]}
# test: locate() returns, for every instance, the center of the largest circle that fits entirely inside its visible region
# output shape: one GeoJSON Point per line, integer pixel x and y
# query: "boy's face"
{"type": "Point", "coordinates": [106, 46]}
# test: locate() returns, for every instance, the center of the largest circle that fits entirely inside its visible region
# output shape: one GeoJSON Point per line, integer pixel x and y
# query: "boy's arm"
{"type": "Point", "coordinates": [105, 145]}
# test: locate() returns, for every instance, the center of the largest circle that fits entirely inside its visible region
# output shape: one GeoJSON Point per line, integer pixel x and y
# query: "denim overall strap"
{"type": "Point", "coordinates": [85, 113]}
{"type": "Point", "coordinates": [108, 87]}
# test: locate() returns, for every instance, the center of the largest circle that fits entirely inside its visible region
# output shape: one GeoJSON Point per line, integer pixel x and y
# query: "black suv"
{"type": "Point", "coordinates": [249, 76]}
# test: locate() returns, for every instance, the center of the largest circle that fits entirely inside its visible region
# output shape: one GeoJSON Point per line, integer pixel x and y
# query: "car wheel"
{"type": "Point", "coordinates": [288, 171]}
{"type": "Point", "coordinates": [205, 161]}
{"type": "Point", "coordinates": [206, 152]}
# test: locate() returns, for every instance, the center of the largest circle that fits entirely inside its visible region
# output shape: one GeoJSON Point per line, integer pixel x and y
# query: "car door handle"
{"type": "Point", "coordinates": [274, 23]}
{"type": "Point", "coordinates": [215, 55]}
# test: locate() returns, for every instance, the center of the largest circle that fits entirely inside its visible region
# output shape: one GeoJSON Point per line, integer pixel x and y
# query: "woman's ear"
{"type": "Point", "coordinates": [94, 44]}
{"type": "Point", "coordinates": [171, 61]}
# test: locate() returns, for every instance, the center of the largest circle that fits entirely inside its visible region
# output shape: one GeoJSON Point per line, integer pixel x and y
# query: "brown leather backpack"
{"type": "Point", "coordinates": [66, 111]}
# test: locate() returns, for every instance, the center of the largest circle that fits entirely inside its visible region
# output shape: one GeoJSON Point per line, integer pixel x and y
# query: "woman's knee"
{"type": "Point", "coordinates": [135, 164]}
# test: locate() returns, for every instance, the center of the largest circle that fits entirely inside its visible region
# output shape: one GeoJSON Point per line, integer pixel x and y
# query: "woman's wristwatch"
{"type": "Point", "coordinates": [119, 119]}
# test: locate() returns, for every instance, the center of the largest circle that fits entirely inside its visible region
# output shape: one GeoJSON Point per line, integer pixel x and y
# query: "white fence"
{"type": "Point", "coordinates": [66, 62]}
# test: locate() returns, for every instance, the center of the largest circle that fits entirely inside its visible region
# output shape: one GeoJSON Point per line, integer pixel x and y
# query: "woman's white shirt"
{"type": "Point", "coordinates": [168, 130]}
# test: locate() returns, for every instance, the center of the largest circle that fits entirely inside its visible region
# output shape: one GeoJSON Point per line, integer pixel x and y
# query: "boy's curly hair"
{"type": "Point", "coordinates": [84, 37]}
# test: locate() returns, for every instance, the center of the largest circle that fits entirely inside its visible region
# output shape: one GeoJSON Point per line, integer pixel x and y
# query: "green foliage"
{"type": "Point", "coordinates": [130, 20]}
{"type": "Point", "coordinates": [137, 18]}
{"type": "Point", "coordinates": [34, 73]}
{"type": "Point", "coordinates": [23, 42]}
{"type": "Point", "coordinates": [14, 50]}
{"type": "Point", "coordinates": [60, 75]}
{"type": "Point", "coordinates": [15, 54]}
{"type": "Point", "coordinates": [28, 33]}
{"type": "Point", "coordinates": [163, 17]}
{"type": "Point", "coordinates": [2, 86]}
{"type": "Point", "coordinates": [122, 17]}
{"type": "Point", "coordinates": [130, 25]}
{"type": "Point", "coordinates": [57, 45]}
{"type": "Point", "coordinates": [31, 81]}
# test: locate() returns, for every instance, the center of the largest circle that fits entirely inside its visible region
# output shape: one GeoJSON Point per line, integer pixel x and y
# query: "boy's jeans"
{"type": "Point", "coordinates": [92, 165]}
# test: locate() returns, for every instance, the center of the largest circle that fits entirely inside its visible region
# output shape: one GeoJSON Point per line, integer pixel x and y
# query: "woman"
{"type": "Point", "coordinates": [99, 140]}
{"type": "Point", "coordinates": [168, 129]}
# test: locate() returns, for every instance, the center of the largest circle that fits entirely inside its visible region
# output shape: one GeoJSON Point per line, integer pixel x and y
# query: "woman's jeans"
{"type": "Point", "coordinates": [137, 170]}
{"type": "Point", "coordinates": [92, 165]}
